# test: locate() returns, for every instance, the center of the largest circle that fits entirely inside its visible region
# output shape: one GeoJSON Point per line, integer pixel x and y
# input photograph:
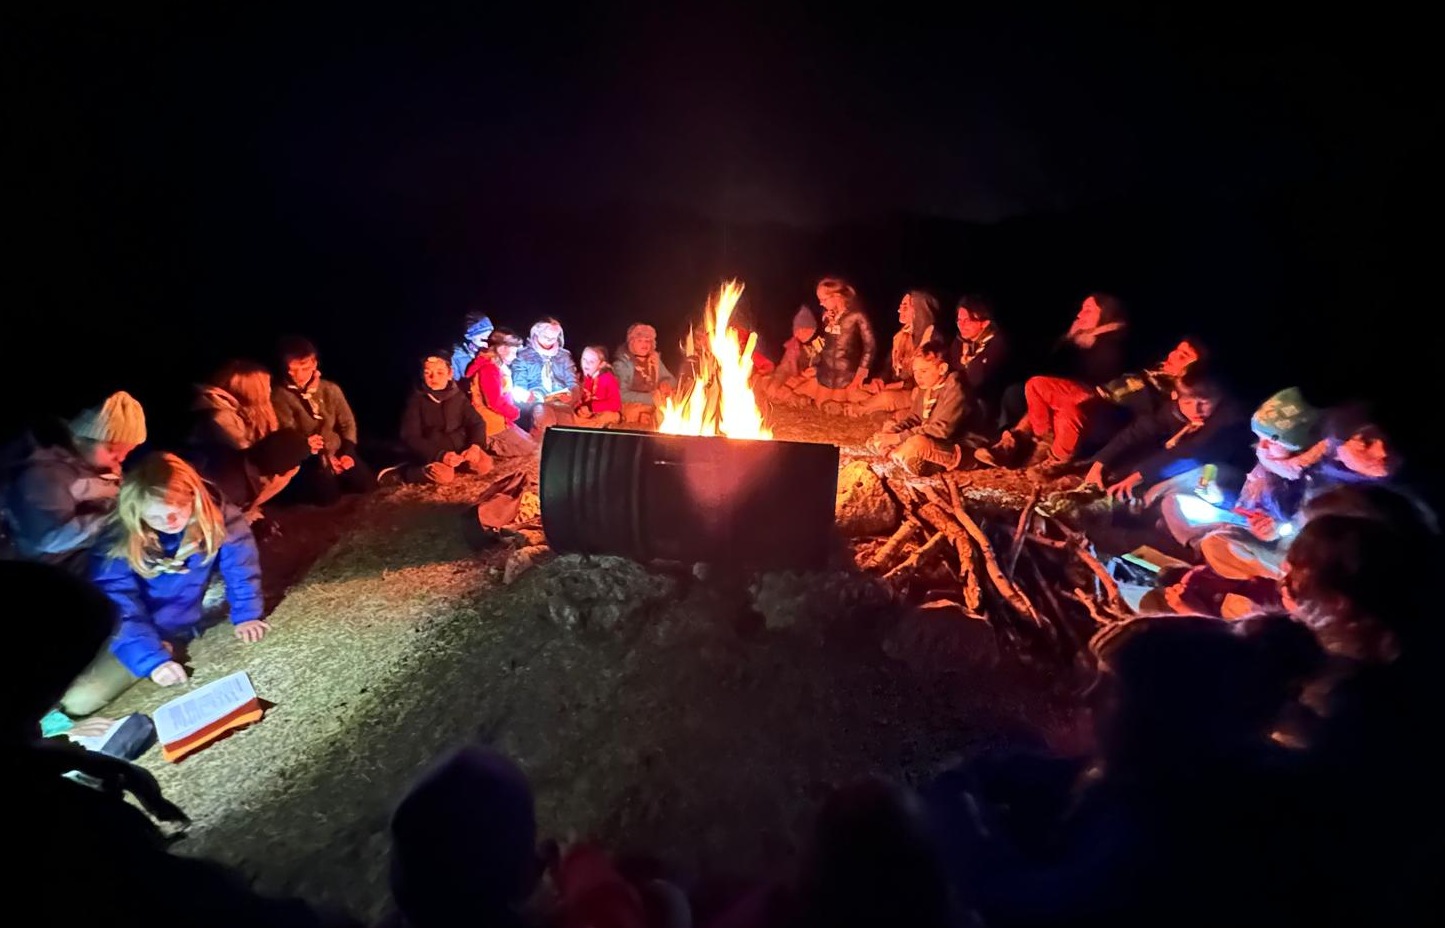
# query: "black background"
{"type": "Point", "coordinates": [185, 184]}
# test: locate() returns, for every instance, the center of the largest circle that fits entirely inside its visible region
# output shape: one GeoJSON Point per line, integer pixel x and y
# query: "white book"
{"type": "Point", "coordinates": [218, 705]}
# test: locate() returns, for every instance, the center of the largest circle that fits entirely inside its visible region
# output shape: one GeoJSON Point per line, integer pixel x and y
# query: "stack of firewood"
{"type": "Point", "coordinates": [1038, 582]}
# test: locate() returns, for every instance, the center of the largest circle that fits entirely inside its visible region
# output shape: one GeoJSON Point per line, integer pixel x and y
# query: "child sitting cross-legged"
{"type": "Point", "coordinates": [927, 439]}
{"type": "Point", "coordinates": [169, 536]}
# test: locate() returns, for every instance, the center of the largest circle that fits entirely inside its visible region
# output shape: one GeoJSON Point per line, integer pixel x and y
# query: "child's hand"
{"type": "Point", "coordinates": [316, 443]}
{"type": "Point", "coordinates": [344, 462]}
{"type": "Point", "coordinates": [1095, 476]}
{"type": "Point", "coordinates": [252, 631]}
{"type": "Point", "coordinates": [1123, 491]}
{"type": "Point", "coordinates": [1261, 525]}
{"type": "Point", "coordinates": [169, 674]}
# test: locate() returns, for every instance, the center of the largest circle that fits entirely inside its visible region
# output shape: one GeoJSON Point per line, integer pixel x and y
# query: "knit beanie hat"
{"type": "Point", "coordinates": [118, 419]}
{"type": "Point", "coordinates": [804, 319]}
{"type": "Point", "coordinates": [1286, 418]}
{"type": "Point", "coordinates": [478, 327]}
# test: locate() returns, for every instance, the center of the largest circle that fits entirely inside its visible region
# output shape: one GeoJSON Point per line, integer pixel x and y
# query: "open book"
{"type": "Point", "coordinates": [190, 722]}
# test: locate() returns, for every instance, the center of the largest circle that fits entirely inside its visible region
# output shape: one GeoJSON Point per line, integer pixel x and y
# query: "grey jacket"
{"type": "Point", "coordinates": [320, 409]}
{"type": "Point", "coordinates": [938, 413]}
{"type": "Point", "coordinates": [54, 502]}
{"type": "Point", "coordinates": [624, 368]}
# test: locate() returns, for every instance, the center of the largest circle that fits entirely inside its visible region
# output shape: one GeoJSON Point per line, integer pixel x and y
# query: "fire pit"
{"type": "Point", "coordinates": [713, 487]}
{"type": "Point", "coordinates": [754, 504]}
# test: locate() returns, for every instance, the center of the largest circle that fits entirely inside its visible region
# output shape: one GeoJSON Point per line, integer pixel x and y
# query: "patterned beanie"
{"type": "Point", "coordinates": [804, 319]}
{"type": "Point", "coordinates": [119, 419]}
{"type": "Point", "coordinates": [1287, 418]}
{"type": "Point", "coordinates": [478, 327]}
{"type": "Point", "coordinates": [641, 328]}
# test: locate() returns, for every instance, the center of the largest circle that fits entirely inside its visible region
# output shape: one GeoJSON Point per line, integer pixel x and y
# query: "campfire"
{"type": "Point", "coordinates": [720, 401]}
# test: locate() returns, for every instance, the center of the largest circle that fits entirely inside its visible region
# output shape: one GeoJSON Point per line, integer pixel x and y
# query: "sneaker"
{"type": "Point", "coordinates": [388, 476]}
{"type": "Point", "coordinates": [1006, 452]}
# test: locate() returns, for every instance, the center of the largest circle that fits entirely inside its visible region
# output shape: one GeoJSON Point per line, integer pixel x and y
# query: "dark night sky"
{"type": "Point", "coordinates": [220, 175]}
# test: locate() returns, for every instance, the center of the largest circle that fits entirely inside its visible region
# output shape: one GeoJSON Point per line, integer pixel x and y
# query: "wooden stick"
{"type": "Point", "coordinates": [1011, 594]}
{"type": "Point", "coordinates": [1016, 547]}
{"type": "Point", "coordinates": [967, 554]}
{"type": "Point", "coordinates": [925, 550]}
{"type": "Point", "coordinates": [1054, 543]}
{"type": "Point", "coordinates": [1100, 618]}
{"type": "Point", "coordinates": [1083, 548]}
{"type": "Point", "coordinates": [886, 552]}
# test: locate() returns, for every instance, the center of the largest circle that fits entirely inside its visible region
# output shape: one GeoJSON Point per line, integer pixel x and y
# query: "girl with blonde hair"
{"type": "Point", "coordinates": [849, 345]}
{"type": "Point", "coordinates": [169, 535]}
{"type": "Point", "coordinates": [241, 446]}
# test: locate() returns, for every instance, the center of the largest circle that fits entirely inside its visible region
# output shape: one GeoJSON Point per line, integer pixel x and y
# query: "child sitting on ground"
{"type": "Point", "coordinates": [168, 538]}
{"type": "Point", "coordinates": [443, 434]}
{"type": "Point", "coordinates": [799, 354]}
{"type": "Point", "coordinates": [927, 439]}
{"type": "Point", "coordinates": [601, 401]}
{"type": "Point", "coordinates": [317, 407]}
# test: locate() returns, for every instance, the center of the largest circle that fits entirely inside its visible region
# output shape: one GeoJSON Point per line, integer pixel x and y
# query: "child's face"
{"type": "Point", "coordinates": [1367, 454]}
{"type": "Point", "coordinates": [436, 373]}
{"type": "Point", "coordinates": [970, 328]}
{"type": "Point", "coordinates": [591, 362]}
{"type": "Point", "coordinates": [107, 455]}
{"type": "Point", "coordinates": [804, 335]}
{"type": "Point", "coordinates": [506, 353]}
{"type": "Point", "coordinates": [168, 514]}
{"type": "Point", "coordinates": [1268, 449]}
{"type": "Point", "coordinates": [928, 372]}
{"type": "Point", "coordinates": [1195, 407]}
{"type": "Point", "coordinates": [641, 344]}
{"type": "Point", "coordinates": [1183, 355]}
{"type": "Point", "coordinates": [301, 370]}
{"type": "Point", "coordinates": [1089, 313]}
{"type": "Point", "coordinates": [905, 310]}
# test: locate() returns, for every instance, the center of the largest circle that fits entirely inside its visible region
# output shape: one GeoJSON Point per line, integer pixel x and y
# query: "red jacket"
{"type": "Point", "coordinates": [601, 393]}
{"type": "Point", "coordinates": [494, 384]}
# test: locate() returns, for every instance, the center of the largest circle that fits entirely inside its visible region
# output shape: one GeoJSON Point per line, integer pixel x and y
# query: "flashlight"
{"type": "Point", "coordinates": [520, 394]}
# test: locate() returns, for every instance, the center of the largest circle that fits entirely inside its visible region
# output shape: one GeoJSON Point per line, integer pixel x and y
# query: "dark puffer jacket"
{"type": "Point", "coordinates": [848, 347]}
{"type": "Point", "coordinates": [438, 421]}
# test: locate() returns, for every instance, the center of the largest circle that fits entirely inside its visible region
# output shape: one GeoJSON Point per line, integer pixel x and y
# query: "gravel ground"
{"type": "Point", "coordinates": [682, 726]}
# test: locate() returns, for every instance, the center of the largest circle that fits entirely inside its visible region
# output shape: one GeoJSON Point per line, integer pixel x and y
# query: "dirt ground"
{"type": "Point", "coordinates": [677, 722]}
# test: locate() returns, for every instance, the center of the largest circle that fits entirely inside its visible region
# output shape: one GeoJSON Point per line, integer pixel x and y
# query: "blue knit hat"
{"type": "Point", "coordinates": [1288, 419]}
{"type": "Point", "coordinates": [478, 327]}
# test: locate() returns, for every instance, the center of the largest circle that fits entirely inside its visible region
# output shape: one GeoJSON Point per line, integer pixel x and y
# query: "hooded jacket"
{"type": "Point", "coordinates": [167, 607]}
{"type": "Point", "coordinates": [219, 420]}
{"type": "Point", "coordinates": [848, 347]}
{"type": "Point", "coordinates": [531, 371]}
{"type": "Point", "coordinates": [637, 389]}
{"type": "Point", "coordinates": [54, 502]}
{"type": "Point", "coordinates": [438, 421]}
{"type": "Point", "coordinates": [491, 392]}
{"type": "Point", "coordinates": [319, 408]}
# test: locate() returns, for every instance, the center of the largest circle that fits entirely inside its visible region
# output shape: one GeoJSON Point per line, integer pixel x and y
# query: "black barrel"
{"type": "Point", "coordinates": [756, 504]}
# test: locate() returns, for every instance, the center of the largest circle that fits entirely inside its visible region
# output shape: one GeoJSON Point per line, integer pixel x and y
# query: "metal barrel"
{"type": "Point", "coordinates": [645, 496]}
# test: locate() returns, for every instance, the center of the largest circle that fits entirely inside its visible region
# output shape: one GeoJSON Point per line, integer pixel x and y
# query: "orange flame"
{"type": "Point", "coordinates": [720, 401]}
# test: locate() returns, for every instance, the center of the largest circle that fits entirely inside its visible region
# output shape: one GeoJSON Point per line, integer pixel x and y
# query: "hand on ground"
{"type": "Point", "coordinates": [169, 674]}
{"type": "Point", "coordinates": [252, 631]}
{"type": "Point", "coordinates": [1095, 476]}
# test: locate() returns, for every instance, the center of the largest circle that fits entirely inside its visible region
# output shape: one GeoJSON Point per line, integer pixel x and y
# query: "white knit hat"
{"type": "Point", "coordinates": [119, 419]}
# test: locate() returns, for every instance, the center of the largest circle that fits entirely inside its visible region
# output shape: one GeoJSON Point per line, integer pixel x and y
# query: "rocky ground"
{"type": "Point", "coordinates": [696, 720]}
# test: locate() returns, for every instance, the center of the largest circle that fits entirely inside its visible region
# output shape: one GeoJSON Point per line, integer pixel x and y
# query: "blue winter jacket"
{"type": "Point", "coordinates": [168, 607]}
{"type": "Point", "coordinates": [528, 367]}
